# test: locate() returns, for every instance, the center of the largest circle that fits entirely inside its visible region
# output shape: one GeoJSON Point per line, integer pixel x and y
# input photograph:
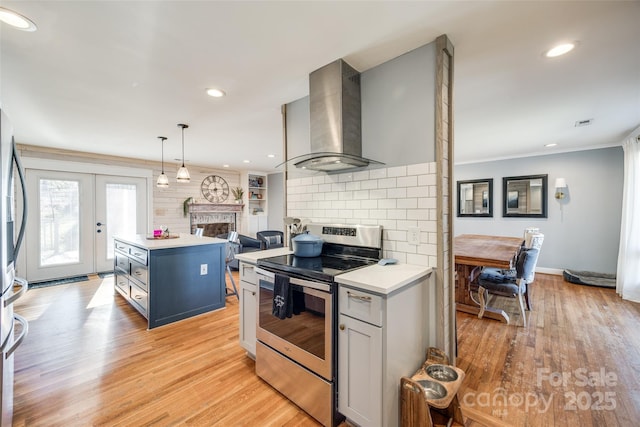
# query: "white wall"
{"type": "Point", "coordinates": [583, 231]}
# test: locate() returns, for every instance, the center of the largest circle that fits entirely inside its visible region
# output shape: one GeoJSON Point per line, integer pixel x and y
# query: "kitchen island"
{"type": "Point", "coordinates": [171, 279]}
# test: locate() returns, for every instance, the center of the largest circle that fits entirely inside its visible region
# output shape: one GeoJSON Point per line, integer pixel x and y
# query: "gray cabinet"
{"type": "Point", "coordinates": [380, 339]}
{"type": "Point", "coordinates": [248, 307]}
{"type": "Point", "coordinates": [170, 284]}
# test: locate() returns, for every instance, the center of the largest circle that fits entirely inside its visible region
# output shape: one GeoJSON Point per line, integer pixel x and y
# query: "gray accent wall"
{"type": "Point", "coordinates": [582, 232]}
{"type": "Point", "coordinates": [398, 112]}
{"type": "Point", "coordinates": [275, 199]}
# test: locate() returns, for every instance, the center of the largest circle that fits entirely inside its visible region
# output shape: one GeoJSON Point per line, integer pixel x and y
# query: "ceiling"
{"type": "Point", "coordinates": [108, 77]}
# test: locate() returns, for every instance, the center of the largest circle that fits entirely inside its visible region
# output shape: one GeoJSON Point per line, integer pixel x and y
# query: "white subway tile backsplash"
{"type": "Point", "coordinates": [369, 204]}
{"type": "Point", "coordinates": [407, 181]}
{"type": "Point", "coordinates": [397, 171]}
{"type": "Point", "coordinates": [395, 198]}
{"type": "Point", "coordinates": [418, 169]}
{"type": "Point", "coordinates": [370, 184]}
{"type": "Point", "coordinates": [361, 176]}
{"type": "Point", "coordinates": [388, 183]}
{"type": "Point", "coordinates": [411, 203]}
{"type": "Point", "coordinates": [387, 204]}
{"type": "Point", "coordinates": [378, 194]}
{"type": "Point", "coordinates": [378, 173]}
{"type": "Point", "coordinates": [396, 193]}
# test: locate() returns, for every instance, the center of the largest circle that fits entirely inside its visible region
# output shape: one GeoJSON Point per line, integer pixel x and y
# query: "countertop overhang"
{"type": "Point", "coordinates": [383, 280]}
{"type": "Point", "coordinates": [183, 240]}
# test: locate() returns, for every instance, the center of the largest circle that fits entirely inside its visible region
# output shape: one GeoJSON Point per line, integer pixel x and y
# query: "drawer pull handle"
{"type": "Point", "coordinates": [137, 253]}
{"type": "Point", "coordinates": [137, 273]}
{"type": "Point", "coordinates": [358, 297]}
{"type": "Point", "coordinates": [138, 297]}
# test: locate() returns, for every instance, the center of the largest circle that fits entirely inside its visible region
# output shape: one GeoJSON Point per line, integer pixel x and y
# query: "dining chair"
{"type": "Point", "coordinates": [498, 284]}
{"type": "Point", "coordinates": [231, 248]}
{"type": "Point", "coordinates": [532, 239]}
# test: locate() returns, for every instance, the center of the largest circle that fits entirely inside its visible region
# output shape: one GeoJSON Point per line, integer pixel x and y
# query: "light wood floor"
{"type": "Point", "coordinates": [88, 360]}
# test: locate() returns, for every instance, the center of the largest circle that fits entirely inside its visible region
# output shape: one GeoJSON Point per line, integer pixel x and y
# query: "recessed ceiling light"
{"type": "Point", "coordinates": [552, 144]}
{"type": "Point", "coordinates": [246, 161]}
{"type": "Point", "coordinates": [560, 49]}
{"type": "Point", "coordinates": [16, 20]}
{"type": "Point", "coordinates": [271, 156]}
{"type": "Point", "coordinates": [216, 93]}
{"type": "Point", "coordinates": [225, 166]}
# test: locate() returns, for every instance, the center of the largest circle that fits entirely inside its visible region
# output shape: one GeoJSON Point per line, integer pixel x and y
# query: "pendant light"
{"type": "Point", "coordinates": [183, 173]}
{"type": "Point", "coordinates": [163, 180]}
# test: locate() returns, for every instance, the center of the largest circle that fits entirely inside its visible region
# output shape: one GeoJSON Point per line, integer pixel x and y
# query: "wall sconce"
{"type": "Point", "coordinates": [561, 184]}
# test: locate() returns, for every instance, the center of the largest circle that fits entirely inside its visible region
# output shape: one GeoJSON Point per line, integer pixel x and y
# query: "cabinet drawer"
{"type": "Point", "coordinates": [122, 247]}
{"type": "Point", "coordinates": [138, 254]}
{"type": "Point", "coordinates": [122, 283]}
{"type": "Point", "coordinates": [122, 263]}
{"type": "Point", "coordinates": [361, 305]}
{"type": "Point", "coordinates": [138, 296]}
{"type": "Point", "coordinates": [140, 273]}
{"type": "Point", "coordinates": [248, 272]}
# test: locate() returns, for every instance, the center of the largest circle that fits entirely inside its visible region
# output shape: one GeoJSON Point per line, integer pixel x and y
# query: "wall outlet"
{"type": "Point", "coordinates": [413, 236]}
{"type": "Point", "coordinates": [204, 268]}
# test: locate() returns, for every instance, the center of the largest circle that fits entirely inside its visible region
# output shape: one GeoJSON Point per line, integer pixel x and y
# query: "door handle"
{"type": "Point", "coordinates": [99, 224]}
{"type": "Point", "coordinates": [98, 231]}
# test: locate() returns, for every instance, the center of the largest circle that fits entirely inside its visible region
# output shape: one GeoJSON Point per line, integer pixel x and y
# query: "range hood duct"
{"type": "Point", "coordinates": [335, 125]}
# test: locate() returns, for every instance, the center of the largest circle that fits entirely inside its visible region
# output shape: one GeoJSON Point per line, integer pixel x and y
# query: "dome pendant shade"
{"type": "Point", "coordinates": [163, 180]}
{"type": "Point", "coordinates": [183, 173]}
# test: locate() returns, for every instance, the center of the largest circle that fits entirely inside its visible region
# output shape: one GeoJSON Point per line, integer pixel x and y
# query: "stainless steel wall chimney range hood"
{"type": "Point", "coordinates": [335, 125]}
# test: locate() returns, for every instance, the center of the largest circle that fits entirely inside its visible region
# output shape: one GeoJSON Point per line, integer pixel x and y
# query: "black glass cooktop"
{"type": "Point", "coordinates": [323, 267]}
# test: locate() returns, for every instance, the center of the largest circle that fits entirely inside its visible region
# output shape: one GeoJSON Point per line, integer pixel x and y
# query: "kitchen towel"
{"type": "Point", "coordinates": [282, 305]}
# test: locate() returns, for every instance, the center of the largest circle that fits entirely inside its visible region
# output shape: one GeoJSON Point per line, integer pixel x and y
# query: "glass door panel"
{"type": "Point", "coordinates": [121, 209]}
{"type": "Point", "coordinates": [59, 239]}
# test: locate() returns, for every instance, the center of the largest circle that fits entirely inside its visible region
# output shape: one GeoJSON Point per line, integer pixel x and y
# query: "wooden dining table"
{"type": "Point", "coordinates": [474, 251]}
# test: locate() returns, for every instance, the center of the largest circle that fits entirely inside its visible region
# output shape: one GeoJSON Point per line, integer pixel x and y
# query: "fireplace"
{"type": "Point", "coordinates": [215, 229]}
{"type": "Point", "coordinates": [215, 219]}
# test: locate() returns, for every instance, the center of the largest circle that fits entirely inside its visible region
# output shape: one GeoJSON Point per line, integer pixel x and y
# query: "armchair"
{"type": "Point", "coordinates": [270, 239]}
{"type": "Point", "coordinates": [244, 244]}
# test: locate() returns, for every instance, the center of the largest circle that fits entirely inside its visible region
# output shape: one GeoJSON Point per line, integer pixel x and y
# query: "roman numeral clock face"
{"type": "Point", "coordinates": [215, 189]}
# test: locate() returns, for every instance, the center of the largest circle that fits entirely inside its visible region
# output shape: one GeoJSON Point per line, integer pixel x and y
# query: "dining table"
{"type": "Point", "coordinates": [472, 252]}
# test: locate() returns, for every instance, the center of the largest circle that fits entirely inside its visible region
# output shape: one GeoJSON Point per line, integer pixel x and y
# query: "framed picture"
{"type": "Point", "coordinates": [525, 196]}
{"type": "Point", "coordinates": [512, 200]}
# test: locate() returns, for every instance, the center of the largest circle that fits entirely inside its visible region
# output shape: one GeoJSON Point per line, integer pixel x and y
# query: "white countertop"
{"type": "Point", "coordinates": [254, 256]}
{"type": "Point", "coordinates": [383, 279]}
{"type": "Point", "coordinates": [182, 241]}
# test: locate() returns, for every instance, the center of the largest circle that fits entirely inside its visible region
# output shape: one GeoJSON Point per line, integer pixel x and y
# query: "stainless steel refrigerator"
{"type": "Point", "coordinates": [12, 287]}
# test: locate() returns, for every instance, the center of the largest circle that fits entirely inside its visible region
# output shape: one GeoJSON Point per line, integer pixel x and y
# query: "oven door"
{"type": "Point", "coordinates": [306, 336]}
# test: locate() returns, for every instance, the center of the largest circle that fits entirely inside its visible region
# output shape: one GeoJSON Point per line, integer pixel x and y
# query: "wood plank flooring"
{"type": "Point", "coordinates": [88, 360]}
{"type": "Point", "coordinates": [548, 374]}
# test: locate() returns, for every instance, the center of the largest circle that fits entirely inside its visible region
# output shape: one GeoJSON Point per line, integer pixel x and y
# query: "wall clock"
{"type": "Point", "coordinates": [215, 189]}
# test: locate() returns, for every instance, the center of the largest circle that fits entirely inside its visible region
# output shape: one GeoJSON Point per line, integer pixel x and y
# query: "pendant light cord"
{"type": "Point", "coordinates": [162, 140]}
{"type": "Point", "coordinates": [183, 126]}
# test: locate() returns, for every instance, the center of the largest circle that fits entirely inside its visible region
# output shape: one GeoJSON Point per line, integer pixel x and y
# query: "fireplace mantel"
{"type": "Point", "coordinates": [215, 207]}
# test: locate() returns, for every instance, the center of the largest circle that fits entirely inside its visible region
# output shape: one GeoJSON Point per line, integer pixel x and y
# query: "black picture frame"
{"type": "Point", "coordinates": [479, 202]}
{"type": "Point", "coordinates": [525, 196]}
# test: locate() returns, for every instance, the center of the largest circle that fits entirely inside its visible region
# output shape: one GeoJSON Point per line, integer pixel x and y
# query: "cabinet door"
{"type": "Point", "coordinates": [248, 306]}
{"type": "Point", "coordinates": [360, 371]}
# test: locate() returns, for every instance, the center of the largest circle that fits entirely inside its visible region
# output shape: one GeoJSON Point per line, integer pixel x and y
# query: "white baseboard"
{"type": "Point", "coordinates": [556, 271]}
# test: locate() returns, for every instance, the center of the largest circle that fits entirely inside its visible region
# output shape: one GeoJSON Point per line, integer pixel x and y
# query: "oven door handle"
{"type": "Point", "coordinates": [324, 287]}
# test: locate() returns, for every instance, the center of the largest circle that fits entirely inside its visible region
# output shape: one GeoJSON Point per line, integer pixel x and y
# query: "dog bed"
{"type": "Point", "coordinates": [590, 278]}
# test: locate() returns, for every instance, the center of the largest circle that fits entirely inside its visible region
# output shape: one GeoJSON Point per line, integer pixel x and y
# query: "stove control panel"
{"type": "Point", "coordinates": [340, 231]}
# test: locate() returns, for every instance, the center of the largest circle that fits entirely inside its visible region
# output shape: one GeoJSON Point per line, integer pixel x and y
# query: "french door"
{"type": "Point", "coordinates": [73, 217]}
